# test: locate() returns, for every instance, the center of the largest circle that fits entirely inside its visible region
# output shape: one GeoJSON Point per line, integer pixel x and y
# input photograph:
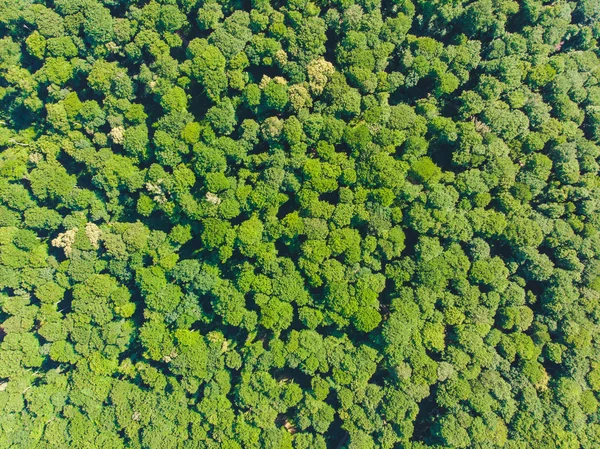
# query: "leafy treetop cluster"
{"type": "Point", "coordinates": [335, 224]}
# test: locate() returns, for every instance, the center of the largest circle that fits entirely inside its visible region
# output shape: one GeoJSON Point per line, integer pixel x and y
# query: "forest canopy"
{"type": "Point", "coordinates": [293, 224]}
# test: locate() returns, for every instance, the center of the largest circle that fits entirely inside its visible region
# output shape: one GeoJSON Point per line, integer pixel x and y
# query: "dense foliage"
{"type": "Point", "coordinates": [292, 225]}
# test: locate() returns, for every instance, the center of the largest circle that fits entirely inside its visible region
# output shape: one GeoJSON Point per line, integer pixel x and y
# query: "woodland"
{"type": "Point", "coordinates": [294, 224]}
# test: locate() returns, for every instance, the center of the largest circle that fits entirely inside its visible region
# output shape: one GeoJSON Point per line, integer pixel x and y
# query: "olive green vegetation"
{"type": "Point", "coordinates": [254, 224]}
